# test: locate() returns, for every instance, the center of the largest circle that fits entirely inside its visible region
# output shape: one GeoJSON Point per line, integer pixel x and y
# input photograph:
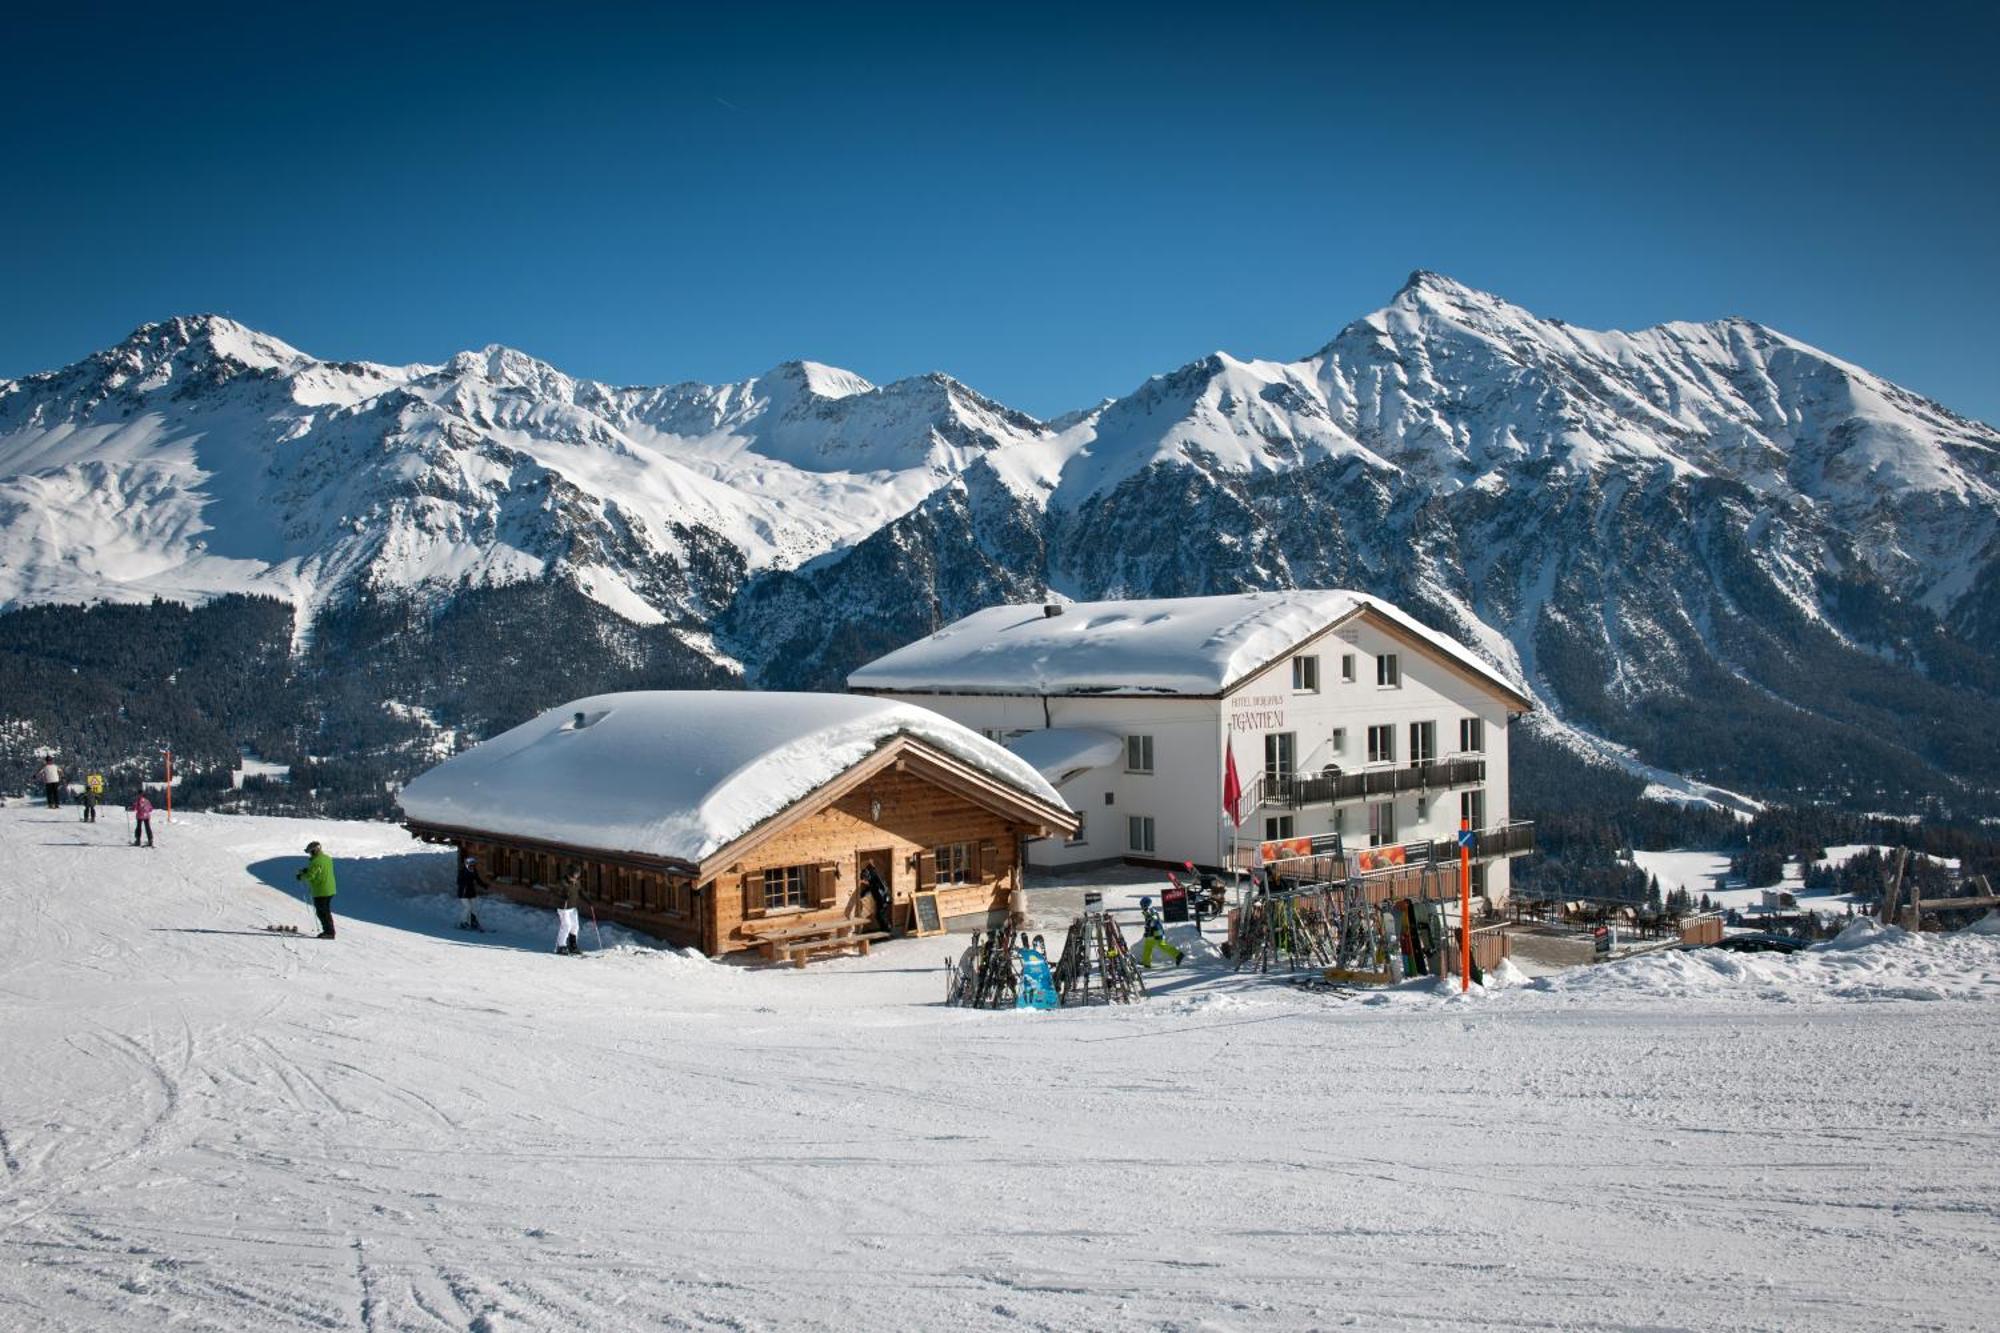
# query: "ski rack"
{"type": "Point", "coordinates": [1291, 929]}
{"type": "Point", "coordinates": [994, 980]}
{"type": "Point", "coordinates": [1096, 965]}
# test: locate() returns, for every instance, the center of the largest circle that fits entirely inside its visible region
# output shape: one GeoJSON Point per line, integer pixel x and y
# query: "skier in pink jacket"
{"type": "Point", "coordinates": [142, 820]}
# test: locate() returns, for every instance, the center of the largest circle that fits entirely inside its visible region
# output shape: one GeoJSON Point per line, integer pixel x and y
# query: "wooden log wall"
{"type": "Point", "coordinates": [649, 900]}
{"type": "Point", "coordinates": [915, 818]}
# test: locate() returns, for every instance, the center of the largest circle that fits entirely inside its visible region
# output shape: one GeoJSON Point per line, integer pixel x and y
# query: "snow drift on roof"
{"type": "Point", "coordinates": [1176, 645]}
{"type": "Point", "coordinates": [680, 774]}
{"type": "Point", "coordinates": [1063, 752]}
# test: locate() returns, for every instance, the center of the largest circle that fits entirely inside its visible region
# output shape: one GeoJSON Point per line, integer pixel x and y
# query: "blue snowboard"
{"type": "Point", "coordinates": [1038, 985]}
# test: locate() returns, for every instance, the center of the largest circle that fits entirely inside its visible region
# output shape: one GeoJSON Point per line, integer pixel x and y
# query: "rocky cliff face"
{"type": "Point", "coordinates": [1705, 547]}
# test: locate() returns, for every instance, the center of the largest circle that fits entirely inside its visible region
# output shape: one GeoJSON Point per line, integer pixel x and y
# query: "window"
{"type": "Point", "coordinates": [1339, 740]}
{"type": "Point", "coordinates": [1139, 832]}
{"type": "Point", "coordinates": [1347, 668]}
{"type": "Point", "coordinates": [1280, 755]}
{"type": "Point", "coordinates": [1472, 808]}
{"type": "Point", "coordinates": [1381, 824]}
{"type": "Point", "coordinates": [1382, 744]}
{"type": "Point", "coordinates": [1423, 742]}
{"type": "Point", "coordinates": [1138, 754]}
{"type": "Point", "coordinates": [784, 886]}
{"type": "Point", "coordinates": [1388, 672]}
{"type": "Point", "coordinates": [1305, 675]}
{"type": "Point", "coordinates": [1277, 826]}
{"type": "Point", "coordinates": [1080, 837]}
{"type": "Point", "coordinates": [954, 863]}
{"type": "Point", "coordinates": [994, 734]}
{"type": "Point", "coordinates": [1472, 735]}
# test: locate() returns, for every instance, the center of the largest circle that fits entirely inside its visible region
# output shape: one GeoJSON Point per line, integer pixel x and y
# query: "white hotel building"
{"type": "Point", "coordinates": [1344, 714]}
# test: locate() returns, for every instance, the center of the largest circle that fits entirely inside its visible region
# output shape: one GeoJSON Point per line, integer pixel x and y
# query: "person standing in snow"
{"type": "Point", "coordinates": [142, 819]}
{"type": "Point", "coordinates": [51, 779]}
{"type": "Point", "coordinates": [877, 893]}
{"type": "Point", "coordinates": [318, 874]}
{"type": "Point", "coordinates": [470, 882]}
{"type": "Point", "coordinates": [569, 894]}
{"type": "Point", "coordinates": [1155, 940]}
{"type": "Point", "coordinates": [93, 792]}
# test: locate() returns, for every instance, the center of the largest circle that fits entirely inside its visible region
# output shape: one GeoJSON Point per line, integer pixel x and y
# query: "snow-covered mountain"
{"type": "Point", "coordinates": [1709, 543]}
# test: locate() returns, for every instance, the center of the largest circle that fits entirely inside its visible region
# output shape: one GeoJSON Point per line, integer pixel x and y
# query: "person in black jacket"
{"type": "Point", "coordinates": [470, 882]}
{"type": "Point", "coordinates": [877, 893]}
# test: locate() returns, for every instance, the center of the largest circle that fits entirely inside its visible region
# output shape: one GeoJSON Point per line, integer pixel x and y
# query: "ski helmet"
{"type": "Point", "coordinates": [312, 849]}
{"type": "Point", "coordinates": [1146, 901]}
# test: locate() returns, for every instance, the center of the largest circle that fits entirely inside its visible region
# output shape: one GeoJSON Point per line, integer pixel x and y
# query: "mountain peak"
{"type": "Point", "coordinates": [814, 378]}
{"type": "Point", "coordinates": [223, 338]}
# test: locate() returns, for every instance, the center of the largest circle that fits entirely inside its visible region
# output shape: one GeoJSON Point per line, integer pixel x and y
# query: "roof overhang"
{"type": "Point", "coordinates": [906, 752]}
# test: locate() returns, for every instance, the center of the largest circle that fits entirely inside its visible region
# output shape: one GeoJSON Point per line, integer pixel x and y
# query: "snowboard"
{"type": "Point", "coordinates": [1038, 983]}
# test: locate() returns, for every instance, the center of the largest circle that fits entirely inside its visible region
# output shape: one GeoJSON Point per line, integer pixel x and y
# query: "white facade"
{"type": "Point", "coordinates": [1301, 712]}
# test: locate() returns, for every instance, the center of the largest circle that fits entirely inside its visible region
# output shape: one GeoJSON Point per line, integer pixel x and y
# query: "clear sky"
{"type": "Point", "coordinates": [1050, 203]}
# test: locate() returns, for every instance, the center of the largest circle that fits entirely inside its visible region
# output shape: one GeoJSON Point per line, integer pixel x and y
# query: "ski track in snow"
{"type": "Point", "coordinates": [206, 1126]}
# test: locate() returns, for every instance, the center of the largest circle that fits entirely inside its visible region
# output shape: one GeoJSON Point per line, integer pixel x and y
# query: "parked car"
{"type": "Point", "coordinates": [1758, 941]}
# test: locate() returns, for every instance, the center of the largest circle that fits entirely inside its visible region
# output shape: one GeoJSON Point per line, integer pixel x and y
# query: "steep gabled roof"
{"type": "Point", "coordinates": [1194, 646]}
{"type": "Point", "coordinates": [678, 775]}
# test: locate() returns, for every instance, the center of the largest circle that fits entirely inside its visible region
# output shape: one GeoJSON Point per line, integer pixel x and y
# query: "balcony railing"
{"type": "Point", "coordinates": [1327, 863]}
{"type": "Point", "coordinates": [1516, 839]}
{"type": "Point", "coordinates": [1297, 793]}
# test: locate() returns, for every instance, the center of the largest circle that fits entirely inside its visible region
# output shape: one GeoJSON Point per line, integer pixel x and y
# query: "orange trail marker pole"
{"type": "Point", "coordinates": [170, 786]}
{"type": "Point", "coordinates": [1464, 906]}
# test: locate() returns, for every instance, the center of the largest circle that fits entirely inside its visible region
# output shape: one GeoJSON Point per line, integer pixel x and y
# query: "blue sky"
{"type": "Point", "coordinates": [1049, 202]}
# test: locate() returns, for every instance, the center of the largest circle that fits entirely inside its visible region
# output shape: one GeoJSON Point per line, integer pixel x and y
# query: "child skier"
{"type": "Point", "coordinates": [1155, 940]}
{"type": "Point", "coordinates": [568, 895]}
{"type": "Point", "coordinates": [319, 875]}
{"type": "Point", "coordinates": [142, 819]}
{"type": "Point", "coordinates": [470, 882]}
{"type": "Point", "coordinates": [93, 792]}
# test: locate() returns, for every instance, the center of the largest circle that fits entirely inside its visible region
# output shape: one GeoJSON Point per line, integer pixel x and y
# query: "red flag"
{"type": "Point", "coordinates": [1232, 786]}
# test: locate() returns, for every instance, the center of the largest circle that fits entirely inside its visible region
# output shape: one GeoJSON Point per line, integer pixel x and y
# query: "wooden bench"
{"type": "Point", "coordinates": [799, 944]}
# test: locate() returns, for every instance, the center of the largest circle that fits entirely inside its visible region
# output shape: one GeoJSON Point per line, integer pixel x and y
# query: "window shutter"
{"type": "Point", "coordinates": [753, 894]}
{"type": "Point", "coordinates": [927, 870]}
{"type": "Point", "coordinates": [989, 862]}
{"type": "Point", "coordinates": [827, 884]}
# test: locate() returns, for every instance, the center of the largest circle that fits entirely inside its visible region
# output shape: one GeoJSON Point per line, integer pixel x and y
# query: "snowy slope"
{"type": "Point", "coordinates": [206, 1126]}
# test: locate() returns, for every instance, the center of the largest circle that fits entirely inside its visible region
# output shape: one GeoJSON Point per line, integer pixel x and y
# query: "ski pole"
{"type": "Point", "coordinates": [594, 930]}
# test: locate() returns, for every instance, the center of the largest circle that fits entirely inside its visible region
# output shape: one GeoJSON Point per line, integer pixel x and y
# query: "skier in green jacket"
{"type": "Point", "coordinates": [319, 874]}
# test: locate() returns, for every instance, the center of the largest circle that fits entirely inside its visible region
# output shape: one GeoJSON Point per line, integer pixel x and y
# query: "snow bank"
{"type": "Point", "coordinates": [680, 773]}
{"type": "Point", "coordinates": [1169, 645]}
{"type": "Point", "coordinates": [1866, 961]}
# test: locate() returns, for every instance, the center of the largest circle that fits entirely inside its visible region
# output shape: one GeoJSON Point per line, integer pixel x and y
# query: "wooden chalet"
{"type": "Point", "coordinates": [730, 820]}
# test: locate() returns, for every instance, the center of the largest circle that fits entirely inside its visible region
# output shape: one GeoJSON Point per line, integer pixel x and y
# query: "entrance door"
{"type": "Point", "coordinates": [884, 861]}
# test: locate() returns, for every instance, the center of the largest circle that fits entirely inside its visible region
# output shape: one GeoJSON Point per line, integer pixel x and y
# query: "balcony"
{"type": "Point", "coordinates": [1516, 839]}
{"type": "Point", "coordinates": [1329, 861]}
{"type": "Point", "coordinates": [1297, 793]}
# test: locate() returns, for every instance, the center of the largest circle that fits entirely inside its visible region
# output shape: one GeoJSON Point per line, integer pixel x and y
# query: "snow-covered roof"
{"type": "Point", "coordinates": [1062, 752]}
{"type": "Point", "coordinates": [680, 774]}
{"type": "Point", "coordinates": [1175, 645]}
